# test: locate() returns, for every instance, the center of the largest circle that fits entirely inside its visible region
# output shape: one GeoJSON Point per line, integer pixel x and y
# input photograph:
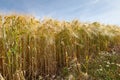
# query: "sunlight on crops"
{"type": "Point", "coordinates": [32, 49]}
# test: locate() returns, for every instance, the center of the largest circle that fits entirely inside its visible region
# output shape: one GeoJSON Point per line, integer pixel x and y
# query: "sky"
{"type": "Point", "coordinates": [104, 11]}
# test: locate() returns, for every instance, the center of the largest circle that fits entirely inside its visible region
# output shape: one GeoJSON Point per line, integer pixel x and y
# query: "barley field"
{"type": "Point", "coordinates": [49, 49]}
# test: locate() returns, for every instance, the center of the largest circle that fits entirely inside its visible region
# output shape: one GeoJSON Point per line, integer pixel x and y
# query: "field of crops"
{"type": "Point", "coordinates": [49, 49]}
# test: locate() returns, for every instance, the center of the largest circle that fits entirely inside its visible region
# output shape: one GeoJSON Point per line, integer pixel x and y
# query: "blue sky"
{"type": "Point", "coordinates": [104, 11]}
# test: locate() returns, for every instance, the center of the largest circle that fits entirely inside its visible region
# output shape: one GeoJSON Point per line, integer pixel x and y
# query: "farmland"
{"type": "Point", "coordinates": [49, 49]}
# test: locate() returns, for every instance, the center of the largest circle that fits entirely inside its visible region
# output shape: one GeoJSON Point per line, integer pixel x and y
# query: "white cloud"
{"type": "Point", "coordinates": [94, 1]}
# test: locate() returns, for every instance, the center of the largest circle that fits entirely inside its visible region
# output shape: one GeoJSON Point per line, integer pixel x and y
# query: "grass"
{"type": "Point", "coordinates": [50, 49]}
